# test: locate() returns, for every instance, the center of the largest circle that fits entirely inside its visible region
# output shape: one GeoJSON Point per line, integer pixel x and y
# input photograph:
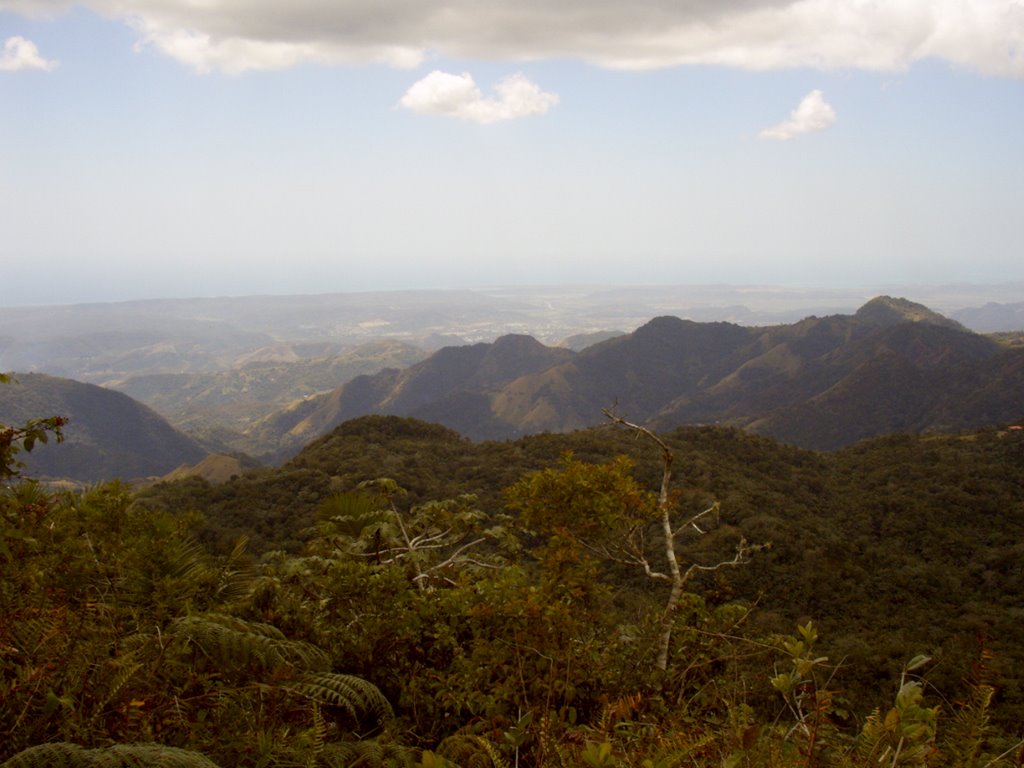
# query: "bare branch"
{"type": "Point", "coordinates": [408, 543]}
{"type": "Point", "coordinates": [427, 537]}
{"type": "Point", "coordinates": [629, 558]}
{"type": "Point", "coordinates": [692, 522]}
{"type": "Point", "coordinates": [656, 575]}
{"type": "Point", "coordinates": [454, 555]}
{"type": "Point", "coordinates": [482, 563]}
{"type": "Point", "coordinates": [741, 557]}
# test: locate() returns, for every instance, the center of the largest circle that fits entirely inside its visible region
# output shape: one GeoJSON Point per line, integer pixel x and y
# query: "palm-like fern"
{"type": "Point", "coordinates": [236, 579]}
{"type": "Point", "coordinates": [251, 653]}
{"type": "Point", "coordinates": [64, 755]}
{"type": "Point", "coordinates": [348, 516]}
{"type": "Point", "coordinates": [244, 647]}
{"type": "Point", "coordinates": [468, 751]}
{"type": "Point", "coordinates": [355, 695]}
{"type": "Point", "coordinates": [966, 733]}
{"type": "Point", "coordinates": [369, 753]}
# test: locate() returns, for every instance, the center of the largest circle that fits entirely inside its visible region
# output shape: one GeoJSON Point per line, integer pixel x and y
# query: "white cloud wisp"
{"type": "Point", "coordinates": [442, 93]}
{"type": "Point", "coordinates": [21, 54]}
{"type": "Point", "coordinates": [880, 35]}
{"type": "Point", "coordinates": [811, 115]}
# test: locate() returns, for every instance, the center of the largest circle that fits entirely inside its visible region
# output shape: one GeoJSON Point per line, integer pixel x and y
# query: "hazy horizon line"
{"type": "Point", "coordinates": [548, 287]}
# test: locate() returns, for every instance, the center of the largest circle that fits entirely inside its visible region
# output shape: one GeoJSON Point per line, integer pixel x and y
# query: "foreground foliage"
{"type": "Point", "coordinates": [437, 632]}
{"type": "Point", "coordinates": [897, 546]}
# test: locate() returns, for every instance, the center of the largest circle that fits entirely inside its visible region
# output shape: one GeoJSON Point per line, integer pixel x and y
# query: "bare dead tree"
{"type": "Point", "coordinates": [632, 550]}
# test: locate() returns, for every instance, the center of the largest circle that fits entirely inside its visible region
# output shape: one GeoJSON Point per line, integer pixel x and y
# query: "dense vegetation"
{"type": "Point", "coordinates": [893, 546]}
{"type": "Point", "coordinates": [370, 624]}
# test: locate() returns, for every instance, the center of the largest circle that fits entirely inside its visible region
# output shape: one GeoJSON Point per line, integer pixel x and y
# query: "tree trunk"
{"type": "Point", "coordinates": [664, 506]}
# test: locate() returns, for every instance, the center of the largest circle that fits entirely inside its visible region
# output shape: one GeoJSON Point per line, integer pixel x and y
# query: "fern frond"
{"type": "Point", "coordinates": [355, 695]}
{"type": "Point", "coordinates": [63, 755]}
{"type": "Point", "coordinates": [963, 741]}
{"type": "Point", "coordinates": [319, 730]}
{"type": "Point", "coordinates": [682, 749]}
{"type": "Point", "coordinates": [123, 672]}
{"type": "Point", "coordinates": [550, 747]}
{"type": "Point", "coordinates": [185, 568]}
{"type": "Point", "coordinates": [237, 645]}
{"type": "Point", "coordinates": [237, 578]}
{"type": "Point", "coordinates": [349, 514]}
{"type": "Point", "coordinates": [29, 635]}
{"type": "Point", "coordinates": [617, 710]}
{"type": "Point", "coordinates": [368, 753]}
{"type": "Point", "coordinates": [469, 751]}
{"type": "Point", "coordinates": [189, 560]}
{"type": "Point", "coordinates": [496, 759]}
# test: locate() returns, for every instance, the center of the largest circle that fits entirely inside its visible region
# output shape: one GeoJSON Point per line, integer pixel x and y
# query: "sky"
{"type": "Point", "coordinates": [173, 148]}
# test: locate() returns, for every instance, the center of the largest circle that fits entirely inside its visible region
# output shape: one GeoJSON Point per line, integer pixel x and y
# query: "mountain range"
{"type": "Point", "coordinates": [822, 383]}
{"type": "Point", "coordinates": [819, 383]}
{"type": "Point", "coordinates": [109, 342]}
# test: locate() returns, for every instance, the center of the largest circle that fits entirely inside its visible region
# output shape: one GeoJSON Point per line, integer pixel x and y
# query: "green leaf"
{"type": "Point", "coordinates": [51, 704]}
{"type": "Point", "coordinates": [808, 632]}
{"type": "Point", "coordinates": [917, 662]}
{"type": "Point", "coordinates": [782, 682]}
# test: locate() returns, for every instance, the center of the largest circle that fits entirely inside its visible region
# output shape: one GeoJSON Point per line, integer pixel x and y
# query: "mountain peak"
{"type": "Point", "coordinates": [887, 310]}
{"type": "Point", "coordinates": [516, 342]}
{"type": "Point", "coordinates": [662, 324]}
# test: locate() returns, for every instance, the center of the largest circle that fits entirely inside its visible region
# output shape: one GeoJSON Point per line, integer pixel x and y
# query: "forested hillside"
{"type": "Point", "coordinates": [895, 545]}
{"type": "Point", "coordinates": [108, 433]}
{"type": "Point", "coordinates": [399, 595]}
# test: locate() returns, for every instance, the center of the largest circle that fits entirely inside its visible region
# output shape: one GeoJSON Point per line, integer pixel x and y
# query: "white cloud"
{"type": "Point", "coordinates": [812, 114]}
{"type": "Point", "coordinates": [19, 53]}
{"type": "Point", "coordinates": [204, 53]}
{"type": "Point", "coordinates": [883, 35]}
{"type": "Point", "coordinates": [442, 93]}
